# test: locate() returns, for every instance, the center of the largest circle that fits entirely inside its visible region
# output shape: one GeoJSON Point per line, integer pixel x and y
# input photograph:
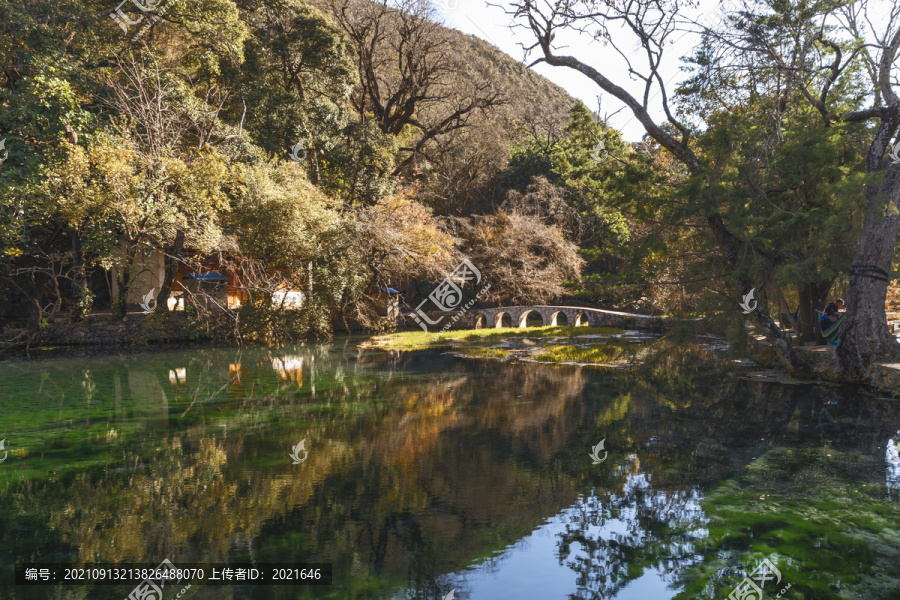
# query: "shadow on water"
{"type": "Point", "coordinates": [427, 473]}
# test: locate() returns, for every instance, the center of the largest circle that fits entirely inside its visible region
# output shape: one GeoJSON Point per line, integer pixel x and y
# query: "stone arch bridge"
{"type": "Point", "coordinates": [520, 316]}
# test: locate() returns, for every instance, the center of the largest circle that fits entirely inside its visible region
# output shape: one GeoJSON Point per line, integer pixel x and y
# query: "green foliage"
{"type": "Point", "coordinates": [769, 513]}
{"type": "Point", "coordinates": [796, 193]}
{"type": "Point", "coordinates": [284, 223]}
{"type": "Point", "coordinates": [526, 163]}
{"type": "Point", "coordinates": [35, 117]}
{"type": "Point", "coordinates": [357, 162]}
{"type": "Point", "coordinates": [590, 160]}
{"type": "Point", "coordinates": [613, 190]}
{"type": "Point", "coordinates": [485, 352]}
{"type": "Point", "coordinates": [262, 322]}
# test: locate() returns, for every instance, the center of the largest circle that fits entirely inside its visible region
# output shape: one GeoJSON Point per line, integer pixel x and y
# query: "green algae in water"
{"type": "Point", "coordinates": [831, 536]}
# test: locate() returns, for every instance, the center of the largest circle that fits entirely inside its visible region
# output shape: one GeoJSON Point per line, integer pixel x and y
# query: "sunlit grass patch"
{"type": "Point", "coordinates": [408, 340]}
{"type": "Point", "coordinates": [419, 340]}
{"type": "Point", "coordinates": [599, 353]}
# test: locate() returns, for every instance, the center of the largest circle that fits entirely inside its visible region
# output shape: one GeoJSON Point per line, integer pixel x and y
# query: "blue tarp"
{"type": "Point", "coordinates": [389, 290]}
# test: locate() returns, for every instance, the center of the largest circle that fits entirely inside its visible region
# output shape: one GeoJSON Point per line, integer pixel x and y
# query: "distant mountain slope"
{"type": "Point", "coordinates": [456, 104]}
{"type": "Point", "coordinates": [532, 97]}
{"type": "Point", "coordinates": [529, 94]}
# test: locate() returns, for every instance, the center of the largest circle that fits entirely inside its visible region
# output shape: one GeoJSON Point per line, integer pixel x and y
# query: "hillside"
{"type": "Point", "coordinates": [459, 104]}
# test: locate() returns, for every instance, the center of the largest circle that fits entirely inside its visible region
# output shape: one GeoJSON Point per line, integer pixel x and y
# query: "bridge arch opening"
{"type": "Point", "coordinates": [480, 321]}
{"type": "Point", "coordinates": [581, 320]}
{"type": "Point", "coordinates": [502, 319]}
{"type": "Point", "coordinates": [531, 318]}
{"type": "Point", "coordinates": [559, 319]}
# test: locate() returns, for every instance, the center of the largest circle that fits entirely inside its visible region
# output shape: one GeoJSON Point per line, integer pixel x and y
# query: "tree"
{"type": "Point", "coordinates": [295, 85]}
{"type": "Point", "coordinates": [651, 25]}
{"type": "Point", "coordinates": [408, 79]}
{"type": "Point", "coordinates": [285, 226]}
{"type": "Point", "coordinates": [175, 178]}
{"type": "Point", "coordinates": [283, 221]}
{"type": "Point", "coordinates": [824, 50]}
{"type": "Point", "coordinates": [400, 242]}
{"type": "Point", "coordinates": [793, 193]}
{"type": "Point", "coordinates": [525, 260]}
{"type": "Point", "coordinates": [39, 251]}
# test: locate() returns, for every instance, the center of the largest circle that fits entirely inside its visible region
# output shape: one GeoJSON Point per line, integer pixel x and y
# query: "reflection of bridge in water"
{"type": "Point", "coordinates": [578, 316]}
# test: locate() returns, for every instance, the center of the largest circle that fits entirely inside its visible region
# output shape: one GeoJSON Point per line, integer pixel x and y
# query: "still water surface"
{"type": "Point", "coordinates": [428, 473]}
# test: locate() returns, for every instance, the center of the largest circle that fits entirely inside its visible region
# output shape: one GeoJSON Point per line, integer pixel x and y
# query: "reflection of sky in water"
{"type": "Point", "coordinates": [892, 456]}
{"type": "Point", "coordinates": [532, 567]}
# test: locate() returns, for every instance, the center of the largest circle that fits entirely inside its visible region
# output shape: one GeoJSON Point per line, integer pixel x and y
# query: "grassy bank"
{"type": "Point", "coordinates": [564, 353]}
{"type": "Point", "coordinates": [419, 340]}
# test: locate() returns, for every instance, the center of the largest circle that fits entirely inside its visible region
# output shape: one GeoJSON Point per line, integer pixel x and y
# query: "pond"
{"type": "Point", "coordinates": [426, 475]}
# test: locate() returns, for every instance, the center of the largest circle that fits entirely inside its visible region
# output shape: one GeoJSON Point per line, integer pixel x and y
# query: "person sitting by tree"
{"type": "Point", "coordinates": [835, 307]}
{"type": "Point", "coordinates": [829, 324]}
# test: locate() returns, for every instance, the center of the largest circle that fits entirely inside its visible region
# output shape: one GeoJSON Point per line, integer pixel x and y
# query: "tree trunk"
{"type": "Point", "coordinates": [124, 281]}
{"type": "Point", "coordinates": [786, 353]}
{"type": "Point", "coordinates": [807, 320]}
{"type": "Point", "coordinates": [82, 293]}
{"type": "Point", "coordinates": [864, 336]}
{"type": "Point", "coordinates": [314, 167]}
{"type": "Point", "coordinates": [173, 258]}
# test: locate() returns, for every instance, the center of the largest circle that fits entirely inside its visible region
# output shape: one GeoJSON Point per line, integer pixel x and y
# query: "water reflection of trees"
{"type": "Point", "coordinates": [419, 464]}
{"type": "Point", "coordinates": [402, 480]}
{"type": "Point", "coordinates": [611, 538]}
